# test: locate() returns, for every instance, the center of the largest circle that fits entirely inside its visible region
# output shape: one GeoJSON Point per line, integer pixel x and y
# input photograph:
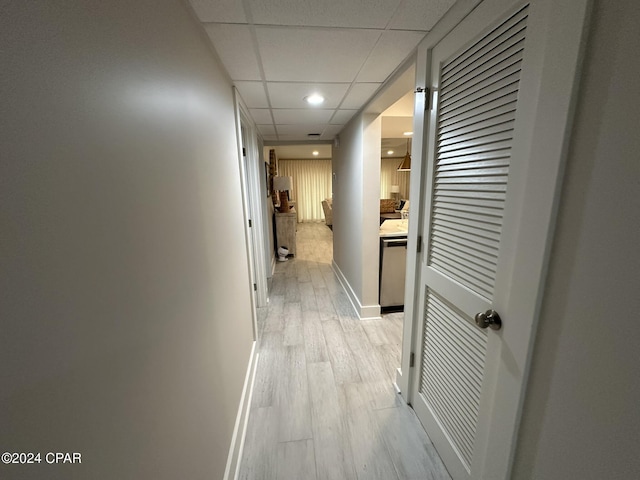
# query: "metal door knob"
{"type": "Point", "coordinates": [490, 319]}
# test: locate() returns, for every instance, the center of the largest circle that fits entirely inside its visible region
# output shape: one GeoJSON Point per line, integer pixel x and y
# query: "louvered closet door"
{"type": "Point", "coordinates": [476, 102]}
{"type": "Point", "coordinates": [497, 128]}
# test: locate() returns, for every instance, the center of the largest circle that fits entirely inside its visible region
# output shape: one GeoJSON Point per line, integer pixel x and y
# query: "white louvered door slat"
{"type": "Point", "coordinates": [477, 105]}
{"type": "Point", "coordinates": [501, 83]}
{"type": "Point", "coordinates": [487, 62]}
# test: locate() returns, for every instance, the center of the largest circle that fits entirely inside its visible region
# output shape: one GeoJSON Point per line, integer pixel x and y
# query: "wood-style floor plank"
{"type": "Point", "coordinates": [293, 396]}
{"type": "Point", "coordinates": [365, 356]}
{"type": "Point", "coordinates": [296, 460]}
{"type": "Point", "coordinates": [413, 454]}
{"type": "Point", "coordinates": [323, 404]}
{"type": "Point", "coordinates": [370, 454]}
{"type": "Point", "coordinates": [308, 297]}
{"type": "Point", "coordinates": [260, 455]}
{"type": "Point", "coordinates": [333, 453]}
{"type": "Point", "coordinates": [315, 346]}
{"type": "Point", "coordinates": [325, 305]}
{"type": "Point", "coordinates": [375, 331]}
{"type": "Point", "coordinates": [293, 324]}
{"type": "Point", "coordinates": [342, 362]}
{"type": "Point", "coordinates": [269, 363]}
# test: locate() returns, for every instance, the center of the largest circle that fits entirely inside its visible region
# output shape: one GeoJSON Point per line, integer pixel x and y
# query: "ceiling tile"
{"type": "Point", "coordinates": [271, 138]}
{"type": "Point", "coordinates": [261, 115]}
{"type": "Point", "coordinates": [359, 94]}
{"type": "Point", "coordinates": [292, 138]}
{"type": "Point", "coordinates": [266, 129]}
{"type": "Point", "coordinates": [392, 48]}
{"type": "Point", "coordinates": [222, 11]}
{"type": "Point", "coordinates": [331, 131]}
{"type": "Point", "coordinates": [291, 95]}
{"type": "Point", "coordinates": [314, 55]}
{"type": "Point", "coordinates": [342, 116]}
{"type": "Point", "coordinates": [308, 116]}
{"type": "Point", "coordinates": [419, 15]}
{"type": "Point", "coordinates": [235, 48]}
{"type": "Point", "coordinates": [303, 130]}
{"type": "Point", "coordinates": [327, 13]}
{"type": "Point", "coordinates": [253, 94]}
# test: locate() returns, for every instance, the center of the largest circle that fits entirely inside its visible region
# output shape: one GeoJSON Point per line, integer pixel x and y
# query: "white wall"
{"type": "Point", "coordinates": [348, 203]}
{"type": "Point", "coordinates": [125, 307]}
{"type": "Point", "coordinates": [581, 415]}
{"type": "Point", "coordinates": [356, 193]}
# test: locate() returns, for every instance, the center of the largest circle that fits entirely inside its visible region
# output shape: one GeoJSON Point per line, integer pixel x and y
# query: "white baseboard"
{"type": "Point", "coordinates": [232, 469]}
{"type": "Point", "coordinates": [364, 312]}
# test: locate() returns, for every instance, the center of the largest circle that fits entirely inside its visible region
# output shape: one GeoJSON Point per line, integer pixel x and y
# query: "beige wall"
{"type": "Point", "coordinates": [125, 308]}
{"type": "Point", "coordinates": [356, 210]}
{"type": "Point", "coordinates": [581, 415]}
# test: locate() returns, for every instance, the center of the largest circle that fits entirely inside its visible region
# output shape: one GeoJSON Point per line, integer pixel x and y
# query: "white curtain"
{"type": "Point", "coordinates": [311, 185]}
{"type": "Point", "coordinates": [389, 175]}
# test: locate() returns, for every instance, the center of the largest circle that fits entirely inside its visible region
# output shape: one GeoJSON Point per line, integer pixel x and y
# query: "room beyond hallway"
{"type": "Point", "coordinates": [323, 404]}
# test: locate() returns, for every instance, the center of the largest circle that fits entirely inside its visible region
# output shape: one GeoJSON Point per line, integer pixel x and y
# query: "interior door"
{"type": "Point", "coordinates": [499, 120]}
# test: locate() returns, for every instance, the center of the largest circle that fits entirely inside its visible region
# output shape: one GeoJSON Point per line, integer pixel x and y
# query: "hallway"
{"type": "Point", "coordinates": [323, 405]}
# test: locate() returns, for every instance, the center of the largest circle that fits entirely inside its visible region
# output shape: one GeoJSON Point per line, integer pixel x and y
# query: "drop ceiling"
{"type": "Point", "coordinates": [279, 51]}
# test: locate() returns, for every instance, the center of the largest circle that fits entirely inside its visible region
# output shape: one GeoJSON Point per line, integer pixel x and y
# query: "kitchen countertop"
{"type": "Point", "coordinates": [394, 228]}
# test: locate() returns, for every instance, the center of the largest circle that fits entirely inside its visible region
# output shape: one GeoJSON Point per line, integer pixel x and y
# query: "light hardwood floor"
{"type": "Point", "coordinates": [323, 406]}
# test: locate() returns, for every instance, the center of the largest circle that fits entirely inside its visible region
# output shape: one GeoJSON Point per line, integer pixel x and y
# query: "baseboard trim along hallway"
{"type": "Point", "coordinates": [364, 312]}
{"type": "Point", "coordinates": [232, 469]}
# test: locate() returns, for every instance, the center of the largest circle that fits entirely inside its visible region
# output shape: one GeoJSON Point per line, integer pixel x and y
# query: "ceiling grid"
{"type": "Point", "coordinates": [277, 52]}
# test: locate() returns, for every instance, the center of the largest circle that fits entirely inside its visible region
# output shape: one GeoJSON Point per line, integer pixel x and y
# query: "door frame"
{"type": "Point", "coordinates": [552, 98]}
{"type": "Point", "coordinates": [254, 196]}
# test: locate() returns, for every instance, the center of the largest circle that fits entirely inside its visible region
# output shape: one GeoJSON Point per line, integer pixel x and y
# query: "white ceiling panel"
{"type": "Point", "coordinates": [359, 94]}
{"type": "Point", "coordinates": [261, 115]}
{"type": "Point", "coordinates": [279, 51]}
{"type": "Point", "coordinates": [419, 14]}
{"type": "Point", "coordinates": [342, 116]}
{"type": "Point", "coordinates": [253, 94]}
{"type": "Point", "coordinates": [314, 55]}
{"type": "Point", "coordinates": [291, 95]}
{"type": "Point", "coordinates": [393, 45]}
{"type": "Point", "coordinates": [266, 129]}
{"type": "Point", "coordinates": [331, 131]}
{"type": "Point", "coordinates": [299, 130]}
{"type": "Point", "coordinates": [235, 48]}
{"type": "Point", "coordinates": [309, 116]}
{"type": "Point", "coordinates": [326, 13]}
{"type": "Point", "coordinates": [293, 138]}
{"type": "Point", "coordinates": [221, 11]}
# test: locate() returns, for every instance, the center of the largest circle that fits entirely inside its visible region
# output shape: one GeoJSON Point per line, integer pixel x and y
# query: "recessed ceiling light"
{"type": "Point", "coordinates": [408, 133]}
{"type": "Point", "coordinates": [314, 99]}
{"type": "Point", "coordinates": [315, 153]}
{"type": "Point", "coordinates": [390, 152]}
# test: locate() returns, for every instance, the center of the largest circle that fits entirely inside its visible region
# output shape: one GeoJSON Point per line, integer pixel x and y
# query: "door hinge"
{"type": "Point", "coordinates": [412, 360]}
{"type": "Point", "coordinates": [249, 223]}
{"type": "Point", "coordinates": [244, 152]}
{"type": "Point", "coordinates": [427, 96]}
{"type": "Point", "coordinates": [419, 246]}
{"type": "Point", "coordinates": [255, 287]}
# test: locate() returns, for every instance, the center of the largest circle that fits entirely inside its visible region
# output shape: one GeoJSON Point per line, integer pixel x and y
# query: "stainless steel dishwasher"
{"type": "Point", "coordinates": [393, 265]}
